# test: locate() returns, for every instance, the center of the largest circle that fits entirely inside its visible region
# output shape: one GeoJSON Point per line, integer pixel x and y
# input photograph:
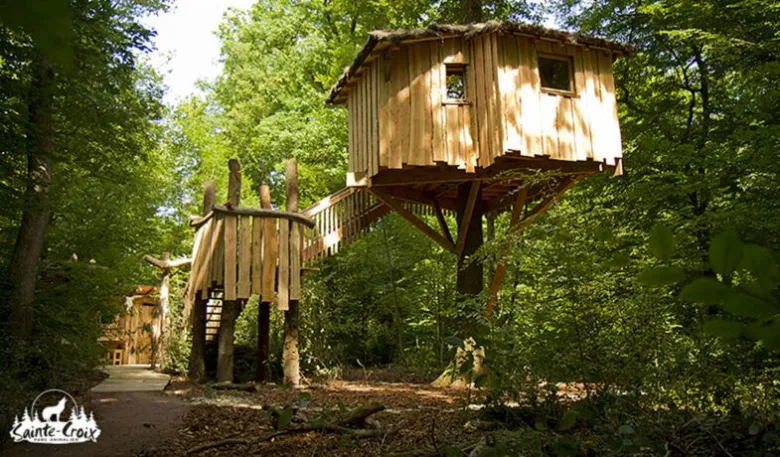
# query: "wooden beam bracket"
{"type": "Point", "coordinates": [414, 220]}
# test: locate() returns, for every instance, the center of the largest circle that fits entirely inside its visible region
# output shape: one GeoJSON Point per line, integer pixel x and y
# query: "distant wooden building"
{"type": "Point", "coordinates": [128, 340]}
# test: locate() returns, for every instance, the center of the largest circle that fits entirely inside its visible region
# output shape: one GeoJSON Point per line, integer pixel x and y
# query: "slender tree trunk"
{"type": "Point", "coordinates": [290, 356]}
{"type": "Point", "coordinates": [470, 280]}
{"type": "Point", "coordinates": [37, 205]}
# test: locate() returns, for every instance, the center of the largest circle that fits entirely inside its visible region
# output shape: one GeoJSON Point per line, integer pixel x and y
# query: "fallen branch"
{"type": "Point", "coordinates": [216, 444]}
{"type": "Point", "coordinates": [357, 416]}
{"type": "Point", "coordinates": [233, 386]}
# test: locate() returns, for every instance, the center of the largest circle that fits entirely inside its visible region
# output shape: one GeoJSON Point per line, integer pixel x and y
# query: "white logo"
{"type": "Point", "coordinates": [48, 426]}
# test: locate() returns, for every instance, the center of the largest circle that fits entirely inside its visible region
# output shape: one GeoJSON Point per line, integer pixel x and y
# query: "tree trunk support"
{"type": "Point", "coordinates": [470, 280]}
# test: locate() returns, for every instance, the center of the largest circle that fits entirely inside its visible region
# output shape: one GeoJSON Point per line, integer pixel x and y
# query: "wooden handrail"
{"type": "Point", "coordinates": [254, 212]}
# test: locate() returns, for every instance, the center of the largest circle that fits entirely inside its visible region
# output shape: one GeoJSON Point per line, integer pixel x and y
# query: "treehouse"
{"type": "Point", "coordinates": [432, 108]}
{"type": "Point", "coordinates": [447, 120]}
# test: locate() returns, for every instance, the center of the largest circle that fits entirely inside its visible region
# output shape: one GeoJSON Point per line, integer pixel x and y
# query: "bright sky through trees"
{"type": "Point", "coordinates": [187, 48]}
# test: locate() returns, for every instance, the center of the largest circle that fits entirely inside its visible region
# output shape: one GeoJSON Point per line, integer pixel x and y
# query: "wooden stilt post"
{"type": "Point", "coordinates": [159, 329]}
{"type": "Point", "coordinates": [264, 311]}
{"type": "Point", "coordinates": [197, 365]}
{"type": "Point", "coordinates": [290, 353]}
{"type": "Point", "coordinates": [230, 306]}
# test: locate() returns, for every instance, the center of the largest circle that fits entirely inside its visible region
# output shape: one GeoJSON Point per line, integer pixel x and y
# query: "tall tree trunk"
{"type": "Point", "coordinates": [470, 272]}
{"type": "Point", "coordinates": [37, 205]}
{"type": "Point", "coordinates": [290, 356]}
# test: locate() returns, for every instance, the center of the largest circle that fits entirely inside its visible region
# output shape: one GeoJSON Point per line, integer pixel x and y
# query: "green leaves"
{"type": "Point", "coordinates": [567, 421]}
{"type": "Point", "coordinates": [725, 252]}
{"type": "Point", "coordinates": [661, 276]}
{"type": "Point", "coordinates": [759, 262]}
{"type": "Point", "coordinates": [662, 243]}
{"type": "Point", "coordinates": [723, 328]}
{"type": "Point", "coordinates": [285, 417]}
{"type": "Point", "coordinates": [663, 246]}
{"type": "Point", "coordinates": [705, 290]}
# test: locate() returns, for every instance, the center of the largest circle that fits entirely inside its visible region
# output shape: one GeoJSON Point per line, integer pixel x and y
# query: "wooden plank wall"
{"type": "Point", "coordinates": [241, 255]}
{"type": "Point", "coordinates": [399, 115]}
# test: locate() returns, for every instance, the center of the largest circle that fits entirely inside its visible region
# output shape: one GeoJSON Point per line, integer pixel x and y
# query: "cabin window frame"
{"type": "Point", "coordinates": [461, 68]}
{"type": "Point", "coordinates": [572, 92]}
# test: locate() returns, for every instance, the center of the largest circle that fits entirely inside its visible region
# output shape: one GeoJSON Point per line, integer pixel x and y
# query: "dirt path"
{"type": "Point", "coordinates": [167, 424]}
{"type": "Point", "coordinates": [132, 411]}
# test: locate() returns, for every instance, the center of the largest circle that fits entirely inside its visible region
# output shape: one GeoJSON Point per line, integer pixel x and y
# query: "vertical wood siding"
{"type": "Point", "coordinates": [399, 114]}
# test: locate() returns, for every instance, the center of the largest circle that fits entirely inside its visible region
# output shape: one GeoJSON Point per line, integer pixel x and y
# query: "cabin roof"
{"type": "Point", "coordinates": [379, 39]}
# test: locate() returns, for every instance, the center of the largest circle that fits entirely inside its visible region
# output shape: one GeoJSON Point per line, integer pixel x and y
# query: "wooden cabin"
{"type": "Point", "coordinates": [128, 339]}
{"type": "Point", "coordinates": [469, 97]}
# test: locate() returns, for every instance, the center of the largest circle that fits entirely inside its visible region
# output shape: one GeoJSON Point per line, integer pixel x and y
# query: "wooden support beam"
{"type": "Point", "coordinates": [442, 222]}
{"type": "Point", "coordinates": [230, 306]}
{"type": "Point", "coordinates": [466, 217]}
{"type": "Point", "coordinates": [500, 168]}
{"type": "Point", "coordinates": [165, 264]}
{"type": "Point", "coordinates": [516, 225]}
{"type": "Point", "coordinates": [290, 354]}
{"type": "Point", "coordinates": [264, 311]}
{"type": "Point", "coordinates": [408, 194]}
{"type": "Point", "coordinates": [414, 220]}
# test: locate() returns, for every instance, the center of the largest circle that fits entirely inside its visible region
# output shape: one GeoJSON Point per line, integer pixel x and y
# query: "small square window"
{"type": "Point", "coordinates": [555, 73]}
{"type": "Point", "coordinates": [456, 83]}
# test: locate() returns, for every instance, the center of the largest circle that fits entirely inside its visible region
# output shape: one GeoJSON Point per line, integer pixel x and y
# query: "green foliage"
{"type": "Point", "coordinates": [749, 279]}
{"type": "Point", "coordinates": [111, 185]}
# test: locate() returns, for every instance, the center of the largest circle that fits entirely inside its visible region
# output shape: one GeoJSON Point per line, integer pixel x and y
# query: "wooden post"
{"type": "Point", "coordinates": [230, 308]}
{"type": "Point", "coordinates": [290, 354]}
{"type": "Point", "coordinates": [264, 311]}
{"type": "Point", "coordinates": [197, 364]}
{"type": "Point", "coordinates": [158, 330]}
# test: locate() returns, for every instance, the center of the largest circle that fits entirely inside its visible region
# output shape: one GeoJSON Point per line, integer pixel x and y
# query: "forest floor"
{"type": "Point", "coordinates": [415, 416]}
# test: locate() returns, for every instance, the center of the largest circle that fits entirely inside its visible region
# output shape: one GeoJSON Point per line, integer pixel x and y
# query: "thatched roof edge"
{"type": "Point", "coordinates": [468, 31]}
